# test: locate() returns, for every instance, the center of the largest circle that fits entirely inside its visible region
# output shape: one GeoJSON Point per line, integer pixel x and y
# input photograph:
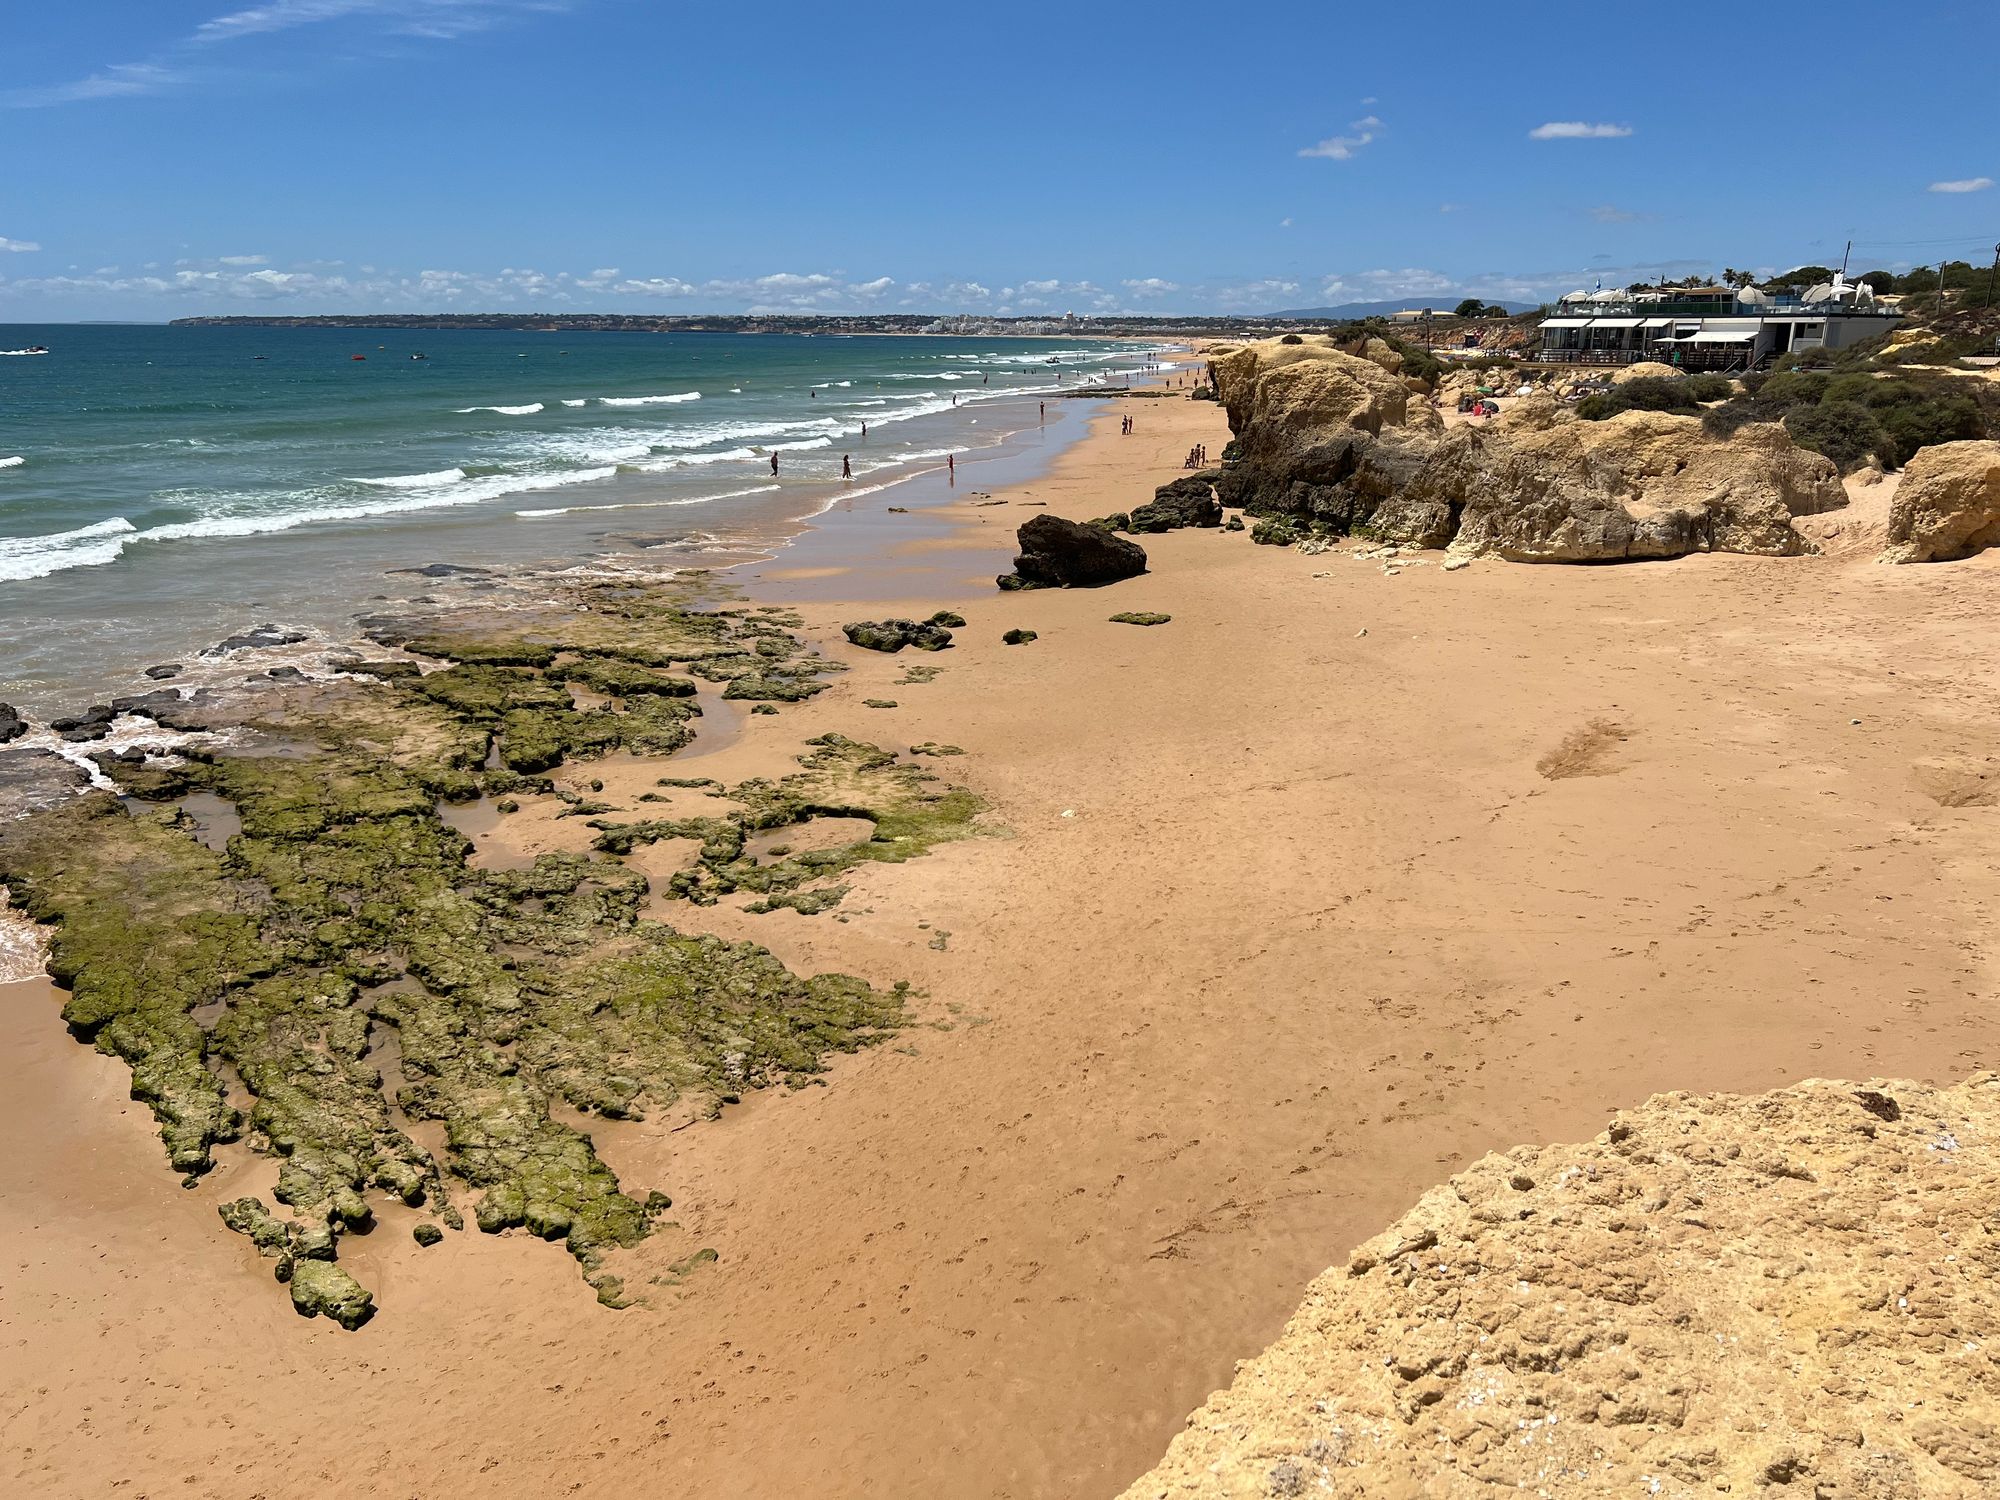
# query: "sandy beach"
{"type": "Point", "coordinates": [1282, 911]}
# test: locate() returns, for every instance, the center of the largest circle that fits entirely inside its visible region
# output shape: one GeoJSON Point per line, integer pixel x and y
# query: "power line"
{"type": "Point", "coordinates": [1966, 239]}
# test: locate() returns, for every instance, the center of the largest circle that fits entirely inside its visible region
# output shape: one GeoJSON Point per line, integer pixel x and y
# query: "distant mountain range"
{"type": "Point", "coordinates": [1442, 304]}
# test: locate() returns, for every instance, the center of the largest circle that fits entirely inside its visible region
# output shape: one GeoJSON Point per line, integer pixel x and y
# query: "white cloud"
{"type": "Point", "coordinates": [18, 247]}
{"type": "Point", "coordinates": [439, 20]}
{"type": "Point", "coordinates": [243, 260]}
{"type": "Point", "coordinates": [1578, 130]}
{"type": "Point", "coordinates": [119, 81]}
{"type": "Point", "coordinates": [1285, 223]}
{"type": "Point", "coordinates": [1151, 286]}
{"type": "Point", "coordinates": [429, 18]}
{"type": "Point", "coordinates": [1343, 147]}
{"type": "Point", "coordinates": [1605, 213]}
{"type": "Point", "coordinates": [1963, 185]}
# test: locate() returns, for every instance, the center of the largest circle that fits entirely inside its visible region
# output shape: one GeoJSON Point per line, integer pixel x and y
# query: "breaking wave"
{"type": "Point", "coordinates": [649, 400]}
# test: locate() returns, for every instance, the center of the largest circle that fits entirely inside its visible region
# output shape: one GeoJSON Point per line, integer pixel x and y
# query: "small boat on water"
{"type": "Point", "coordinates": [358, 356]}
{"type": "Point", "coordinates": [31, 349]}
{"type": "Point", "coordinates": [419, 356]}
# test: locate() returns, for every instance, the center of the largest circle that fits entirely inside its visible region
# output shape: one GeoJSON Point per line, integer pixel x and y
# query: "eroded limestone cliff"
{"type": "Point", "coordinates": [1790, 1293]}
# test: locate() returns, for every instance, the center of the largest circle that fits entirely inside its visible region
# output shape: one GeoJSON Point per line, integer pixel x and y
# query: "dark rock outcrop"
{"type": "Point", "coordinates": [12, 725]}
{"type": "Point", "coordinates": [1183, 502]}
{"type": "Point", "coordinates": [1059, 554]}
{"type": "Point", "coordinates": [263, 637]}
{"type": "Point", "coordinates": [894, 635]}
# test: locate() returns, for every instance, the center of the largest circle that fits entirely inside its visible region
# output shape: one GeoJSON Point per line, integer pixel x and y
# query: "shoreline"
{"type": "Point", "coordinates": [1277, 923]}
{"type": "Point", "coordinates": [406, 546]}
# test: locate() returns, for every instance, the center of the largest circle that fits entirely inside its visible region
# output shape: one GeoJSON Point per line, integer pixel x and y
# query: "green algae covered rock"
{"type": "Point", "coordinates": [343, 962]}
{"type": "Point", "coordinates": [909, 812]}
{"type": "Point", "coordinates": [321, 1289]}
{"type": "Point", "coordinates": [1020, 637]}
{"type": "Point", "coordinates": [1140, 617]}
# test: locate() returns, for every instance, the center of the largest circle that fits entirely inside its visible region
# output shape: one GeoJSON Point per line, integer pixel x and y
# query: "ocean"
{"type": "Point", "coordinates": [161, 485]}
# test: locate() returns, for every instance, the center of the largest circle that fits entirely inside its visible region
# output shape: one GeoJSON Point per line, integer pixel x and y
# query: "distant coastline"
{"type": "Point", "coordinates": [816, 324]}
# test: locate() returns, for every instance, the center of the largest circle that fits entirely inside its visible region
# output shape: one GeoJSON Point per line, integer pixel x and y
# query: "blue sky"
{"type": "Point", "coordinates": [169, 157]}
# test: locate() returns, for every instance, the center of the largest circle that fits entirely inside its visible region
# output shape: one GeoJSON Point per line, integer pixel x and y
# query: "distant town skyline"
{"type": "Point", "coordinates": [343, 156]}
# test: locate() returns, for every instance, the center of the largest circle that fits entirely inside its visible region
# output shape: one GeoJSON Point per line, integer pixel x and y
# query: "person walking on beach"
{"type": "Point", "coordinates": [846, 468]}
{"type": "Point", "coordinates": [951, 467]}
{"type": "Point", "coordinates": [1045, 411]}
{"type": "Point", "coordinates": [774, 460]}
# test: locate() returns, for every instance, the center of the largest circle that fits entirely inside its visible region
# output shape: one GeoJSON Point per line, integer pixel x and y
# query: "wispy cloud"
{"type": "Point", "coordinates": [438, 20]}
{"type": "Point", "coordinates": [1151, 286]}
{"type": "Point", "coordinates": [243, 260]}
{"type": "Point", "coordinates": [1578, 130]}
{"type": "Point", "coordinates": [119, 81]}
{"type": "Point", "coordinates": [1963, 185]}
{"type": "Point", "coordinates": [1343, 147]}
{"type": "Point", "coordinates": [18, 247]}
{"type": "Point", "coordinates": [1606, 213]}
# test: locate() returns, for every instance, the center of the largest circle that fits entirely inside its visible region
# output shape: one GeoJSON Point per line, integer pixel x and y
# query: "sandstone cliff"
{"type": "Point", "coordinates": [1339, 442]}
{"type": "Point", "coordinates": [1948, 505]}
{"type": "Point", "coordinates": [1788, 1294]}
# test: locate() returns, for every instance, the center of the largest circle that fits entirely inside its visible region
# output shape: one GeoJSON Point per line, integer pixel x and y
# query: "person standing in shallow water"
{"type": "Point", "coordinates": [774, 463]}
{"type": "Point", "coordinates": [846, 468]}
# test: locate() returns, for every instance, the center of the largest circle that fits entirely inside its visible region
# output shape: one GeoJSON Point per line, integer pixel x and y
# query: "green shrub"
{"type": "Point", "coordinates": [1796, 389]}
{"type": "Point", "coordinates": [1845, 431]}
{"type": "Point", "coordinates": [1604, 404]}
{"type": "Point", "coordinates": [1910, 425]}
{"type": "Point", "coordinates": [1706, 388]}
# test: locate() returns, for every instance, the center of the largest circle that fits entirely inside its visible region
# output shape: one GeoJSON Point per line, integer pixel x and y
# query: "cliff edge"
{"type": "Point", "coordinates": [1785, 1294]}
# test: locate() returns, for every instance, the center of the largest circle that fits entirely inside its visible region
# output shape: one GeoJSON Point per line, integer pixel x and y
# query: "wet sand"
{"type": "Point", "coordinates": [1343, 877]}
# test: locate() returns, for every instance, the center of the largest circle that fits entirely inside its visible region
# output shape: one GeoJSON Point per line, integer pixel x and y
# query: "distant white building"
{"type": "Point", "coordinates": [1709, 327]}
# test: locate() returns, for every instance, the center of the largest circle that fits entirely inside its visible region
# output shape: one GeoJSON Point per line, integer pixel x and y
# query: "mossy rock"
{"type": "Point", "coordinates": [1140, 617]}
{"type": "Point", "coordinates": [1020, 637]}
{"type": "Point", "coordinates": [321, 1289]}
{"type": "Point", "coordinates": [343, 919]}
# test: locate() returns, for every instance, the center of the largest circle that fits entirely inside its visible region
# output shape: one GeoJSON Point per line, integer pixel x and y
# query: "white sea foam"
{"type": "Point", "coordinates": [12, 463]}
{"type": "Point", "coordinates": [415, 481]}
{"type": "Point", "coordinates": [681, 460]}
{"type": "Point", "coordinates": [563, 510]}
{"type": "Point", "coordinates": [505, 411]}
{"type": "Point", "coordinates": [87, 546]}
{"type": "Point", "coordinates": [24, 944]}
{"type": "Point", "coordinates": [468, 493]}
{"type": "Point", "coordinates": [649, 400]}
{"type": "Point", "coordinates": [578, 401]}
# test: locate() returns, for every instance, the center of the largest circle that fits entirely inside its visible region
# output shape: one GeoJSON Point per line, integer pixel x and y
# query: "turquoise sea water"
{"type": "Point", "coordinates": [156, 481]}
